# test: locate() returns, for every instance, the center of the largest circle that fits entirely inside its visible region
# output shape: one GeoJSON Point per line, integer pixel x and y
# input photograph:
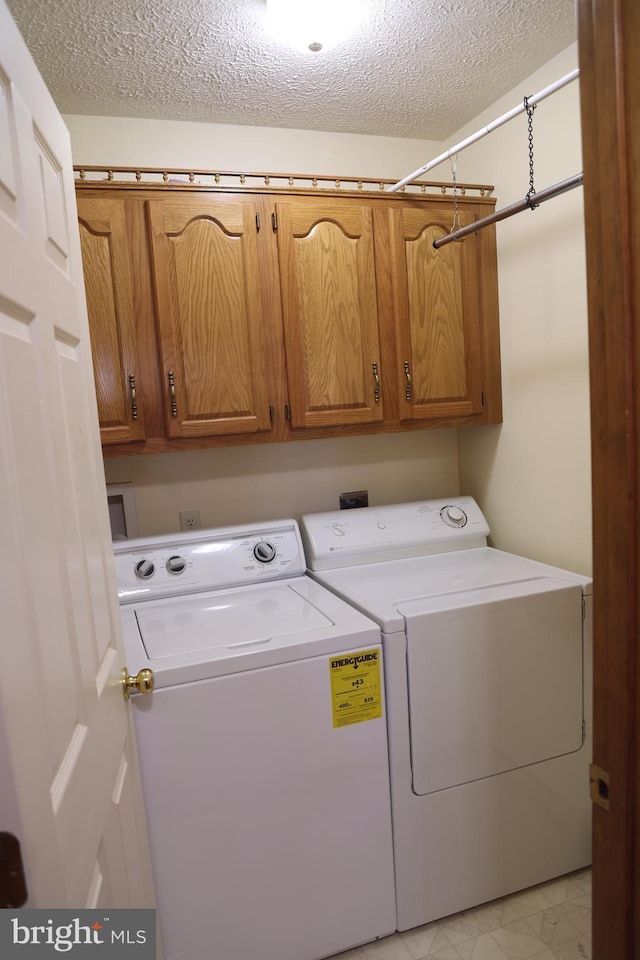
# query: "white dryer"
{"type": "Point", "coordinates": [263, 747]}
{"type": "Point", "coordinates": [488, 679]}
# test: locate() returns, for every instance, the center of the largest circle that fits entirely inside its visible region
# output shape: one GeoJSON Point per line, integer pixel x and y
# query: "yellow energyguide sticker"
{"type": "Point", "coordinates": [356, 694]}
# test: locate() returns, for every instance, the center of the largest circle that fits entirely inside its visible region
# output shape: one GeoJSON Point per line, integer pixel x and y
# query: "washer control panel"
{"type": "Point", "coordinates": [154, 567]}
{"type": "Point", "coordinates": [372, 534]}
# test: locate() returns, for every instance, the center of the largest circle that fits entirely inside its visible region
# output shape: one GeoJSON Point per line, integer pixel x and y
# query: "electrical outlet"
{"type": "Point", "coordinates": [189, 519]}
{"type": "Point", "coordinates": [357, 498]}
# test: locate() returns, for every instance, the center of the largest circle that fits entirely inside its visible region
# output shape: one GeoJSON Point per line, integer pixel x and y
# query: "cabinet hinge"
{"type": "Point", "coordinates": [599, 780]}
{"type": "Point", "coordinates": [287, 412]}
{"type": "Point", "coordinates": [274, 222]}
{"type": "Point", "coordinates": [257, 221]}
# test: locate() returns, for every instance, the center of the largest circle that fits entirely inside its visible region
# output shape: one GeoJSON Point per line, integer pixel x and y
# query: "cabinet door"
{"type": "Point", "coordinates": [211, 321]}
{"type": "Point", "coordinates": [330, 312]}
{"type": "Point", "coordinates": [437, 315]}
{"type": "Point", "coordinates": [108, 279]}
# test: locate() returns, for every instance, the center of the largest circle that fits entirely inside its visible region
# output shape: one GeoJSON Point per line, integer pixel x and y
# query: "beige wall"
{"type": "Point", "coordinates": [242, 484]}
{"type": "Point", "coordinates": [210, 146]}
{"type": "Point", "coordinates": [531, 475]}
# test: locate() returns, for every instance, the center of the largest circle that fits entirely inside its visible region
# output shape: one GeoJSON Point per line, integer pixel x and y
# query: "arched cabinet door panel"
{"type": "Point", "coordinates": [211, 323]}
{"type": "Point", "coordinates": [108, 280]}
{"type": "Point", "coordinates": [330, 312]}
{"type": "Point", "coordinates": [436, 304]}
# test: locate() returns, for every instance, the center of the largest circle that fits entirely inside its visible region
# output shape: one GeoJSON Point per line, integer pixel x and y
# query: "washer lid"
{"type": "Point", "coordinates": [223, 622]}
{"type": "Point", "coordinates": [183, 639]}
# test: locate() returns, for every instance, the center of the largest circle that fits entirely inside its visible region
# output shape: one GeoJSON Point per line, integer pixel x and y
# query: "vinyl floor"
{"type": "Point", "coordinates": [548, 922]}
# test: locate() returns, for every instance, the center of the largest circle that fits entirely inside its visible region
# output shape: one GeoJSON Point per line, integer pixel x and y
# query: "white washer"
{"type": "Point", "coordinates": [268, 809]}
{"type": "Point", "coordinates": [488, 680]}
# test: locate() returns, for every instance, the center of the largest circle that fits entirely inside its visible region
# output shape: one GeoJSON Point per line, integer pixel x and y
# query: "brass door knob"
{"type": "Point", "coordinates": [144, 682]}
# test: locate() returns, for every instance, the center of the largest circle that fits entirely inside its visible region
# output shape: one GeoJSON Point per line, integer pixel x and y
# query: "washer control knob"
{"type": "Point", "coordinates": [176, 565]}
{"type": "Point", "coordinates": [144, 569]}
{"type": "Point", "coordinates": [264, 552]}
{"type": "Point", "coordinates": [453, 516]}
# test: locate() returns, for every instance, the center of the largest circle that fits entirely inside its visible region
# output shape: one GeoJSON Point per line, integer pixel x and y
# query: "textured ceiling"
{"type": "Point", "coordinates": [412, 68]}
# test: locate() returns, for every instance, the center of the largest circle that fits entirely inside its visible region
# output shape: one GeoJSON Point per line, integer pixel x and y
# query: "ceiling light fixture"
{"type": "Point", "coordinates": [313, 24]}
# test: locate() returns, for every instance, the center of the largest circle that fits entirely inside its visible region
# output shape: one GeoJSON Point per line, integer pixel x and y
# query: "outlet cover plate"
{"type": "Point", "coordinates": [190, 520]}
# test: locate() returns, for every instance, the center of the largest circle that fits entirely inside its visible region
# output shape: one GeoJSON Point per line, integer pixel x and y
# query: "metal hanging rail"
{"type": "Point", "coordinates": [506, 212]}
{"type": "Point", "coordinates": [531, 101]}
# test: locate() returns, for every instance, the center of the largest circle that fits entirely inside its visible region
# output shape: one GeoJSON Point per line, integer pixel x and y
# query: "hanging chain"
{"type": "Point", "coordinates": [456, 216]}
{"type": "Point", "coordinates": [532, 190]}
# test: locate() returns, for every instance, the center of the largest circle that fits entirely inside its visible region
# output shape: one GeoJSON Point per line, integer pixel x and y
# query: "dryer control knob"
{"type": "Point", "coordinates": [144, 569]}
{"type": "Point", "coordinates": [453, 516]}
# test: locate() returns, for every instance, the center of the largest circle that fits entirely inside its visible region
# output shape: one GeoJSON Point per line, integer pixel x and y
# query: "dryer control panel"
{"type": "Point", "coordinates": [154, 567]}
{"type": "Point", "coordinates": [370, 534]}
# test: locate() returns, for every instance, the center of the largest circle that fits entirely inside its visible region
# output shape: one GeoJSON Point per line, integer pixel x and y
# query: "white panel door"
{"type": "Point", "coordinates": [68, 765]}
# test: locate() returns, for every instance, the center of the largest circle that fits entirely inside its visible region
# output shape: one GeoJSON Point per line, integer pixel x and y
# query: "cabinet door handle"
{"type": "Point", "coordinates": [132, 394]}
{"type": "Point", "coordinates": [172, 394]}
{"type": "Point", "coordinates": [407, 373]}
{"type": "Point", "coordinates": [376, 381]}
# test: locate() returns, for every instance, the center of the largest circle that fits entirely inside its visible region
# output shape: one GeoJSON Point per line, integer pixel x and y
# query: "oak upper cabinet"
{"type": "Point", "coordinates": [108, 278]}
{"type": "Point", "coordinates": [210, 316]}
{"type": "Point", "coordinates": [330, 312]}
{"type": "Point", "coordinates": [220, 318]}
{"type": "Point", "coordinates": [437, 306]}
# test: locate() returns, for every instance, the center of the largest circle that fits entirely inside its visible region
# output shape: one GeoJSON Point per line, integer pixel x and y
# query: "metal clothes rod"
{"type": "Point", "coordinates": [531, 101]}
{"type": "Point", "coordinates": [506, 212]}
